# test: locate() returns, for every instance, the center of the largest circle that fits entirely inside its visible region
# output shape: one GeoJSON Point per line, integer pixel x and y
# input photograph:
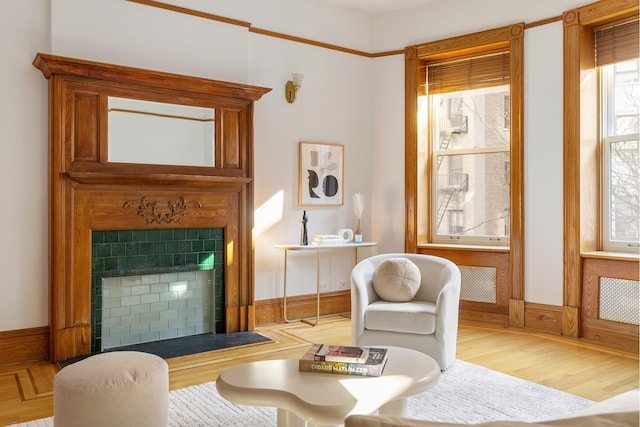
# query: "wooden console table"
{"type": "Point", "coordinates": [317, 248]}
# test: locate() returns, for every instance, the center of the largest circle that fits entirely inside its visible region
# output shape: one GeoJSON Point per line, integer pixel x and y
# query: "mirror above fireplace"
{"type": "Point", "coordinates": [94, 187]}
{"type": "Point", "coordinates": [160, 133]}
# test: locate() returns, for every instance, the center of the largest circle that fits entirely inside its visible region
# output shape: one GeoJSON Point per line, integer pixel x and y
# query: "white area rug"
{"type": "Point", "coordinates": [466, 393]}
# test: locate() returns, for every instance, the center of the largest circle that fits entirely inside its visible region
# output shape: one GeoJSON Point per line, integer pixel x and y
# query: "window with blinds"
{"type": "Point", "coordinates": [616, 55]}
{"type": "Point", "coordinates": [469, 73]}
{"type": "Point", "coordinates": [469, 108]}
{"type": "Point", "coordinates": [617, 42]}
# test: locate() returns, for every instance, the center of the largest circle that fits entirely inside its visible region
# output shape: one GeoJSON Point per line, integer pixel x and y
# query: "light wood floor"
{"type": "Point", "coordinates": [569, 365]}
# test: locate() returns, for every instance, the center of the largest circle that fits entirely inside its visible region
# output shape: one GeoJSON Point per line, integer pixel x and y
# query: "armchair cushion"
{"type": "Point", "coordinates": [396, 280]}
{"type": "Point", "coordinates": [413, 317]}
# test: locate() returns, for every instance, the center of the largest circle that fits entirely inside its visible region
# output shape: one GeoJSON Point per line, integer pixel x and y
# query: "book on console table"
{"type": "Point", "coordinates": [372, 367]}
{"type": "Point", "coordinates": [327, 238]}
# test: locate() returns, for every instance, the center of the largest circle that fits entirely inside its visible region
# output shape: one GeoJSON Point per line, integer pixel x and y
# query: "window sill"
{"type": "Point", "coordinates": [475, 248]}
{"type": "Point", "coordinates": [614, 256]}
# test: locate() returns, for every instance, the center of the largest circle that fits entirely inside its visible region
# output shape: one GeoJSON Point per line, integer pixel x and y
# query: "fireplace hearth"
{"type": "Point", "coordinates": [184, 346]}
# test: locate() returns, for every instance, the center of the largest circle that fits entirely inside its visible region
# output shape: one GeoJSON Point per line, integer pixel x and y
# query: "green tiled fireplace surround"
{"type": "Point", "coordinates": [117, 253]}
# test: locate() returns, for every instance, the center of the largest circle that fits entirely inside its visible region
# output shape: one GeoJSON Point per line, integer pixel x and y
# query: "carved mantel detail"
{"type": "Point", "coordinates": [153, 213]}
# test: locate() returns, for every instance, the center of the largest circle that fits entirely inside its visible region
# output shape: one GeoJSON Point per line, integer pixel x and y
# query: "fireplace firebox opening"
{"type": "Point", "coordinates": [154, 284]}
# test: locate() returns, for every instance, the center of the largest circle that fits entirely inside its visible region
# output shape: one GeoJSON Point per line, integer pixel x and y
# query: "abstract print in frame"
{"type": "Point", "coordinates": [321, 174]}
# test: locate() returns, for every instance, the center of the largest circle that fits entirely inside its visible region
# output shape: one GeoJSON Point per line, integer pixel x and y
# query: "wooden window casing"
{"type": "Point", "coordinates": [507, 261]}
{"type": "Point", "coordinates": [583, 265]}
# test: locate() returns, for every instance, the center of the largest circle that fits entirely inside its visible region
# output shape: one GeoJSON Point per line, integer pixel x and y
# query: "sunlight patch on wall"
{"type": "Point", "coordinates": [268, 214]}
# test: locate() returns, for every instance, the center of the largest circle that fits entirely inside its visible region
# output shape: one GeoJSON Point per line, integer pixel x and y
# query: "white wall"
{"type": "Point", "coordinates": [387, 167]}
{"type": "Point", "coordinates": [332, 107]}
{"type": "Point", "coordinates": [24, 30]}
{"type": "Point", "coordinates": [346, 99]}
{"type": "Point", "coordinates": [126, 33]}
{"type": "Point", "coordinates": [543, 164]}
{"type": "Point", "coordinates": [311, 19]}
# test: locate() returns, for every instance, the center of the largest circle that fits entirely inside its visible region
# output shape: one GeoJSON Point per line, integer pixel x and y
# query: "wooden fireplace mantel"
{"type": "Point", "coordinates": [87, 192]}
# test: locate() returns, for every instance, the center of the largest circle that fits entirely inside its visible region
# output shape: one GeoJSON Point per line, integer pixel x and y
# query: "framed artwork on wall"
{"type": "Point", "coordinates": [321, 174]}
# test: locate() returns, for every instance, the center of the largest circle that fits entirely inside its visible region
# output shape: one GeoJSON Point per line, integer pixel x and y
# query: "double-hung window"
{"type": "Point", "coordinates": [619, 70]}
{"type": "Point", "coordinates": [464, 148]}
{"type": "Point", "coordinates": [468, 102]}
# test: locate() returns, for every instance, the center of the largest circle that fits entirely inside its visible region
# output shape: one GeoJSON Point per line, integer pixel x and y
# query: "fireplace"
{"type": "Point", "coordinates": [150, 285]}
{"type": "Point", "coordinates": [88, 194]}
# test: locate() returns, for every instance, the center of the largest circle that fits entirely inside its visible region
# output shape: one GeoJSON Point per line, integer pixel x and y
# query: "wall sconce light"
{"type": "Point", "coordinates": [292, 87]}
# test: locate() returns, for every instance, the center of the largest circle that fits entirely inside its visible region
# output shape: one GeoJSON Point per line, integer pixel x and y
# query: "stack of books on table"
{"type": "Point", "coordinates": [345, 360]}
{"type": "Point", "coordinates": [320, 239]}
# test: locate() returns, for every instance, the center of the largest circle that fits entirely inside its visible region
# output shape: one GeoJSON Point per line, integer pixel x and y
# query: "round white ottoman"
{"type": "Point", "coordinates": [121, 388]}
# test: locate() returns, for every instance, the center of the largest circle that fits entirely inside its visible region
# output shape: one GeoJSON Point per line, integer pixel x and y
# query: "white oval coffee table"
{"type": "Point", "coordinates": [327, 399]}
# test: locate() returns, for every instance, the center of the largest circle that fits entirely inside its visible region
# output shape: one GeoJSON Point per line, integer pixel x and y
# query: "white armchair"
{"type": "Point", "coordinates": [428, 323]}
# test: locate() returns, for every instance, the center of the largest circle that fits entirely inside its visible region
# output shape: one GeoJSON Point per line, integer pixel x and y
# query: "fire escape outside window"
{"type": "Point", "coordinates": [469, 108]}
